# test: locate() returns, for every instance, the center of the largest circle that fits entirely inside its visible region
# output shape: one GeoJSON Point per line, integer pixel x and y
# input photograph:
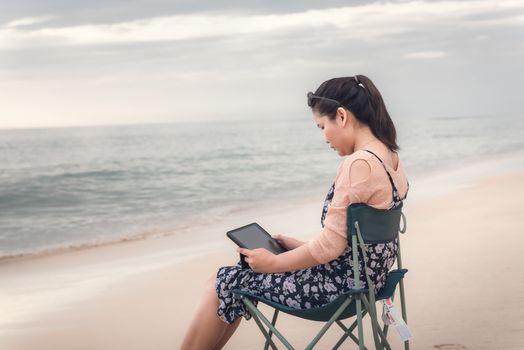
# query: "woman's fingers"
{"type": "Point", "coordinates": [278, 236]}
{"type": "Point", "coordinates": [244, 251]}
{"type": "Point", "coordinates": [281, 239]}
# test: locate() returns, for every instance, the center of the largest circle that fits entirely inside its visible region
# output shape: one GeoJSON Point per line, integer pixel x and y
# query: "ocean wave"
{"type": "Point", "coordinates": [79, 246]}
{"type": "Point", "coordinates": [68, 186]}
{"type": "Point", "coordinates": [197, 223]}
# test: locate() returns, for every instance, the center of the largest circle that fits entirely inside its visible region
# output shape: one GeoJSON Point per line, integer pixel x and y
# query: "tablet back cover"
{"type": "Point", "coordinates": [253, 236]}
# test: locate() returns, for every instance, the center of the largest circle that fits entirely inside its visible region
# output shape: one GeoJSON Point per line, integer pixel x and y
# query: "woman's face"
{"type": "Point", "coordinates": [335, 132]}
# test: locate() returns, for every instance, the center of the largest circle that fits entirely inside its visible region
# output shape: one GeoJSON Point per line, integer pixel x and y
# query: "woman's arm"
{"type": "Point", "coordinates": [287, 242]}
{"type": "Point", "coordinates": [262, 260]}
{"type": "Point", "coordinates": [298, 258]}
{"type": "Point", "coordinates": [332, 241]}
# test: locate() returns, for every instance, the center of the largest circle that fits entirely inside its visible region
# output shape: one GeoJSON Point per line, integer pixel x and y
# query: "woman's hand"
{"type": "Point", "coordinates": [287, 242]}
{"type": "Point", "coordinates": [260, 259]}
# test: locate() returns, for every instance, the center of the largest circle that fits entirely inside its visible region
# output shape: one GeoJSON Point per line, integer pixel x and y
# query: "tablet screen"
{"type": "Point", "coordinates": [253, 236]}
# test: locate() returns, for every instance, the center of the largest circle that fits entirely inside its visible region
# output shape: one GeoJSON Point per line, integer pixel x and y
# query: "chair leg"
{"type": "Point", "coordinates": [401, 287]}
{"type": "Point", "coordinates": [359, 324]}
{"type": "Point", "coordinates": [273, 322]}
{"type": "Point", "coordinates": [333, 318]}
{"type": "Point", "coordinates": [382, 340]}
{"type": "Point", "coordinates": [403, 308]}
{"type": "Point", "coordinates": [254, 311]}
{"type": "Point", "coordinates": [363, 306]}
{"type": "Point", "coordinates": [385, 331]}
{"type": "Point", "coordinates": [348, 332]}
{"type": "Point", "coordinates": [386, 327]}
{"type": "Point", "coordinates": [269, 341]}
{"type": "Point", "coordinates": [370, 305]}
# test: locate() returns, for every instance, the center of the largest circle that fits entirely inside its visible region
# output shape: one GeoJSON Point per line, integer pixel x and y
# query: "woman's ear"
{"type": "Point", "coordinates": [342, 117]}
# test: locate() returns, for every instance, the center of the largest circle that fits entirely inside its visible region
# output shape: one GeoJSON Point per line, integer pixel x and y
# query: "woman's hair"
{"type": "Point", "coordinates": [362, 98]}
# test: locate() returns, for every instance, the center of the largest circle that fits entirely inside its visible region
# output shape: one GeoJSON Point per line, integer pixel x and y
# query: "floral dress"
{"type": "Point", "coordinates": [305, 288]}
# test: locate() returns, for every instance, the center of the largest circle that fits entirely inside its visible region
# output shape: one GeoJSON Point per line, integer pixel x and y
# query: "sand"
{"type": "Point", "coordinates": [462, 249]}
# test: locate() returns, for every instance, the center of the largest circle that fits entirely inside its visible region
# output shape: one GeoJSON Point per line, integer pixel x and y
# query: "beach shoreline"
{"type": "Point", "coordinates": [137, 294]}
{"type": "Point", "coordinates": [427, 184]}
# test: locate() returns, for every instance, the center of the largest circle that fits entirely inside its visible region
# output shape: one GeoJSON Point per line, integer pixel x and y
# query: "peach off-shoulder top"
{"type": "Point", "coordinates": [375, 191]}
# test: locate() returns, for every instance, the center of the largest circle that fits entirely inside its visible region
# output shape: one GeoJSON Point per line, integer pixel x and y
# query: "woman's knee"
{"type": "Point", "coordinates": [211, 281]}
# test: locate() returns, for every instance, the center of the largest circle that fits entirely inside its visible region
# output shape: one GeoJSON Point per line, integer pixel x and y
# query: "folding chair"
{"type": "Point", "coordinates": [365, 225]}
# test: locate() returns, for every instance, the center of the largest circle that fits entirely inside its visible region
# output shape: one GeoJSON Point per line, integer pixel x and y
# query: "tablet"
{"type": "Point", "coordinates": [253, 236]}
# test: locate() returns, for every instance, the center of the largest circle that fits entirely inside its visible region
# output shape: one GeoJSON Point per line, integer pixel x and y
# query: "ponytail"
{"type": "Point", "coordinates": [362, 98]}
{"type": "Point", "coordinates": [380, 122]}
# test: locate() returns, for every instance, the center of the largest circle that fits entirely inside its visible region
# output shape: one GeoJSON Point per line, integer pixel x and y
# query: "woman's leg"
{"type": "Point", "coordinates": [206, 328]}
{"type": "Point", "coordinates": [231, 328]}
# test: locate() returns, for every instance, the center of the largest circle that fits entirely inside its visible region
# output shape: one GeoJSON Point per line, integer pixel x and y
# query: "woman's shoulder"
{"type": "Point", "coordinates": [359, 154]}
{"type": "Point", "coordinates": [363, 166]}
{"type": "Point", "coordinates": [348, 161]}
{"type": "Point", "coordinates": [357, 159]}
{"type": "Point", "coordinates": [355, 167]}
{"type": "Point", "coordinates": [374, 159]}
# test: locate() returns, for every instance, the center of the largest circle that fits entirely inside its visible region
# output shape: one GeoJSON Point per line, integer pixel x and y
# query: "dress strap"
{"type": "Point", "coordinates": [328, 199]}
{"type": "Point", "coordinates": [396, 197]}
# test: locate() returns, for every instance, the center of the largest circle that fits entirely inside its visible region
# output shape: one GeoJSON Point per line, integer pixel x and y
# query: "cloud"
{"type": "Point", "coordinates": [367, 22]}
{"type": "Point", "coordinates": [424, 55]}
{"type": "Point", "coordinates": [109, 68]}
{"type": "Point", "coordinates": [27, 21]}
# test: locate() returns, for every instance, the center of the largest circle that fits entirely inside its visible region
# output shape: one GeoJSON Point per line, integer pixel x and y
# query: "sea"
{"type": "Point", "coordinates": [64, 188]}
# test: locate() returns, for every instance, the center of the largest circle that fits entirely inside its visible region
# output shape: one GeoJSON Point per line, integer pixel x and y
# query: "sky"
{"type": "Point", "coordinates": [75, 63]}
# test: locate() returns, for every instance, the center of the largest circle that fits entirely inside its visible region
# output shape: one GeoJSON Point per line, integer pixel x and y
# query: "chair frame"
{"type": "Point", "coordinates": [364, 299]}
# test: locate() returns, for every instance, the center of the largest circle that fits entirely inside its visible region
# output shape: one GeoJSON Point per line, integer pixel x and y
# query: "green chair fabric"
{"type": "Point", "coordinates": [376, 225]}
{"type": "Point", "coordinates": [365, 225]}
{"type": "Point", "coordinates": [325, 312]}
{"type": "Point", "coordinates": [393, 279]}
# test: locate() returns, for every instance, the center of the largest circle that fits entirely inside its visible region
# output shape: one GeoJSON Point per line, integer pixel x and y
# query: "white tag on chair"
{"type": "Point", "coordinates": [386, 315]}
{"type": "Point", "coordinates": [391, 316]}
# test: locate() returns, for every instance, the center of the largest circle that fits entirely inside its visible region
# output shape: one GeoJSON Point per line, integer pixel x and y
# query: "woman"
{"type": "Point", "coordinates": [356, 124]}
